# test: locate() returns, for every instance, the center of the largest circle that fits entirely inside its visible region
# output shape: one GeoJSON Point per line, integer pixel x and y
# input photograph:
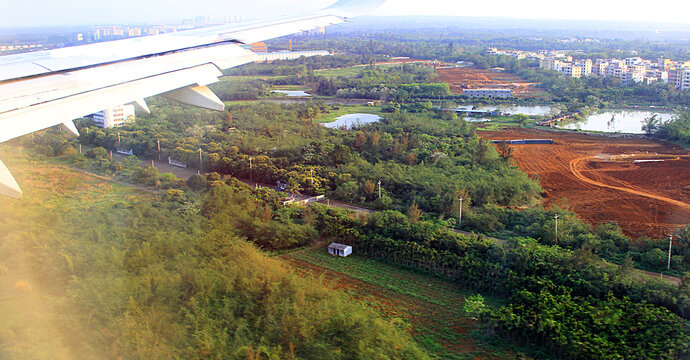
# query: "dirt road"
{"type": "Point", "coordinates": [646, 199]}
{"type": "Point", "coordinates": [576, 165]}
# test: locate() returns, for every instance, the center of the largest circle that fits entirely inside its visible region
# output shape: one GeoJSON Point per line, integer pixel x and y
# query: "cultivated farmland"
{"type": "Point", "coordinates": [430, 306]}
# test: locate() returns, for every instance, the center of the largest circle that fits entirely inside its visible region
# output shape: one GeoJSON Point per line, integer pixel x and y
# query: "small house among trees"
{"type": "Point", "coordinates": [339, 249]}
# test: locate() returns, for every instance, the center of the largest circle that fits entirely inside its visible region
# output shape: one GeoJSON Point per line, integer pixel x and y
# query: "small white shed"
{"type": "Point", "coordinates": [339, 249]}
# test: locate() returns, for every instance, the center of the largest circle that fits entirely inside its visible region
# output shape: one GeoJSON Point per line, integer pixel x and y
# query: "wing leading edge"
{"type": "Point", "coordinates": [42, 89]}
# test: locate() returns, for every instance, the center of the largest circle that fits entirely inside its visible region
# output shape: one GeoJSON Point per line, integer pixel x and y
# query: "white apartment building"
{"type": "Point", "coordinates": [633, 61]}
{"type": "Point", "coordinates": [599, 67]}
{"type": "Point", "coordinates": [114, 117]}
{"type": "Point", "coordinates": [656, 75]}
{"type": "Point", "coordinates": [586, 65]}
{"type": "Point", "coordinates": [571, 70]}
{"type": "Point", "coordinates": [637, 68]}
{"type": "Point", "coordinates": [679, 78]}
{"type": "Point", "coordinates": [629, 70]}
{"type": "Point", "coordinates": [549, 63]}
{"type": "Point", "coordinates": [630, 76]}
{"type": "Point", "coordinates": [664, 64]}
{"type": "Point", "coordinates": [685, 82]}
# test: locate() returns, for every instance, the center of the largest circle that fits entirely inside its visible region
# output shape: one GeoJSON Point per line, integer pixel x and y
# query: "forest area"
{"type": "Point", "coordinates": [124, 262]}
{"type": "Point", "coordinates": [425, 161]}
{"type": "Point", "coordinates": [135, 275]}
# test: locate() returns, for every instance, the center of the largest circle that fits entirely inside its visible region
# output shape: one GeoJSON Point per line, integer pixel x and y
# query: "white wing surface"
{"type": "Point", "coordinates": [42, 89]}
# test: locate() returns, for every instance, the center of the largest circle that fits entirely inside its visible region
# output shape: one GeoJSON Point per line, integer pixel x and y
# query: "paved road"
{"type": "Point", "coordinates": [162, 166]}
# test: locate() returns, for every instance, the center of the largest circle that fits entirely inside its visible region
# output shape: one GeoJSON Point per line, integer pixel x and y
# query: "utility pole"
{"type": "Point", "coordinates": [198, 172]}
{"type": "Point", "coordinates": [159, 149]}
{"type": "Point", "coordinates": [119, 143]}
{"type": "Point", "coordinates": [460, 212]}
{"type": "Point", "coordinates": [556, 217]}
{"type": "Point", "coordinates": [670, 241]}
{"type": "Point", "coordinates": [379, 189]}
{"type": "Point", "coordinates": [251, 177]}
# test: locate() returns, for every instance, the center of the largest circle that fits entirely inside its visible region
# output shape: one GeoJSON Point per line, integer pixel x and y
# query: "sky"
{"type": "Point", "coordinates": [30, 13]}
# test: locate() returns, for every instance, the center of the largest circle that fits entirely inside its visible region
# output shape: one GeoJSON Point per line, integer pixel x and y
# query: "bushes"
{"type": "Point", "coordinates": [566, 301]}
{"type": "Point", "coordinates": [590, 328]}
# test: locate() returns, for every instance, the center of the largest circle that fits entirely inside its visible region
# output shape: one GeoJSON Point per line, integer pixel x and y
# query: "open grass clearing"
{"type": "Point", "coordinates": [251, 77]}
{"type": "Point", "coordinates": [352, 71]}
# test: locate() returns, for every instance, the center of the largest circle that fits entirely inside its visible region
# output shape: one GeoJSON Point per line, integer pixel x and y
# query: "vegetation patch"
{"type": "Point", "coordinates": [432, 307]}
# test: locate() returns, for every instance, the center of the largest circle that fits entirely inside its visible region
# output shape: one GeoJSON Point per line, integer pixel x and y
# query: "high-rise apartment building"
{"type": "Point", "coordinates": [114, 117]}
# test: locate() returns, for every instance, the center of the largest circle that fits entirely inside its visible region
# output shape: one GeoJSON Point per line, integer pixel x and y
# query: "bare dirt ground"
{"type": "Point", "coordinates": [470, 78]}
{"type": "Point", "coordinates": [646, 199]}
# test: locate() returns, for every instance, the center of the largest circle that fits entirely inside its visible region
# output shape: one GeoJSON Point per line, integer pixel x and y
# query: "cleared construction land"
{"type": "Point", "coordinates": [470, 78]}
{"type": "Point", "coordinates": [643, 185]}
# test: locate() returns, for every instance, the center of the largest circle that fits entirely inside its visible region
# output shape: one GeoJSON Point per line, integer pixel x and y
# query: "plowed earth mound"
{"type": "Point", "coordinates": [646, 199]}
{"type": "Point", "coordinates": [470, 78]}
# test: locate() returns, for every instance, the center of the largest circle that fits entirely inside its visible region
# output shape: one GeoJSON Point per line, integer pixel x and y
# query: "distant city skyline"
{"type": "Point", "coordinates": [32, 13]}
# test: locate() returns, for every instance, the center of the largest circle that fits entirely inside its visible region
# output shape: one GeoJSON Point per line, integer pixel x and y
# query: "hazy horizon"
{"type": "Point", "coordinates": [40, 13]}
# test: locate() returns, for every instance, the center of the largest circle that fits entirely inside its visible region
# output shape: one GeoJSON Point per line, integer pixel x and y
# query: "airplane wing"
{"type": "Point", "coordinates": [46, 88]}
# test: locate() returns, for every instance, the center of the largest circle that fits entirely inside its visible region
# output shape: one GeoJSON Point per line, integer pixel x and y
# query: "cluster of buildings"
{"type": "Point", "coordinates": [100, 33]}
{"type": "Point", "coordinates": [117, 31]}
{"type": "Point", "coordinates": [24, 47]}
{"type": "Point", "coordinates": [536, 55]}
{"type": "Point", "coordinates": [628, 70]}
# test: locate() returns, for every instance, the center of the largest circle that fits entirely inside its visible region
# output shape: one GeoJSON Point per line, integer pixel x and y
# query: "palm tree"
{"type": "Point", "coordinates": [651, 125]}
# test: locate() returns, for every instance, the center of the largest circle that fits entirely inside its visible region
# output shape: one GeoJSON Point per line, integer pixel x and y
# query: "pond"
{"type": "Point", "coordinates": [624, 121]}
{"type": "Point", "coordinates": [352, 120]}
{"type": "Point", "coordinates": [291, 93]}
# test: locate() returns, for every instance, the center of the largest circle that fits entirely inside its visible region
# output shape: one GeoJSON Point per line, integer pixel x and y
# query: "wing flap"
{"type": "Point", "coordinates": [29, 92]}
{"type": "Point", "coordinates": [199, 96]}
{"type": "Point", "coordinates": [46, 88]}
{"type": "Point", "coordinates": [41, 116]}
{"type": "Point", "coordinates": [8, 186]}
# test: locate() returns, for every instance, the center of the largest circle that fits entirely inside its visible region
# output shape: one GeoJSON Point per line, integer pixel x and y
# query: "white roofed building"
{"type": "Point", "coordinates": [339, 249]}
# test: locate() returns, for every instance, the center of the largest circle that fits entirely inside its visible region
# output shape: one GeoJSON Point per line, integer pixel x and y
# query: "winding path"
{"type": "Point", "coordinates": [576, 166]}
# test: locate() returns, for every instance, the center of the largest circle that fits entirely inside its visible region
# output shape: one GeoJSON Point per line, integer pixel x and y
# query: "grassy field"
{"type": "Point", "coordinates": [306, 88]}
{"type": "Point", "coordinates": [430, 307]}
{"type": "Point", "coordinates": [352, 71]}
{"type": "Point", "coordinates": [348, 109]}
{"type": "Point", "coordinates": [36, 319]}
{"type": "Point", "coordinates": [42, 179]}
{"type": "Point", "coordinates": [345, 72]}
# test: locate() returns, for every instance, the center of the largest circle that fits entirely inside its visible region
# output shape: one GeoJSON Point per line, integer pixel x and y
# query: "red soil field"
{"type": "Point", "coordinates": [470, 78]}
{"type": "Point", "coordinates": [646, 199]}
